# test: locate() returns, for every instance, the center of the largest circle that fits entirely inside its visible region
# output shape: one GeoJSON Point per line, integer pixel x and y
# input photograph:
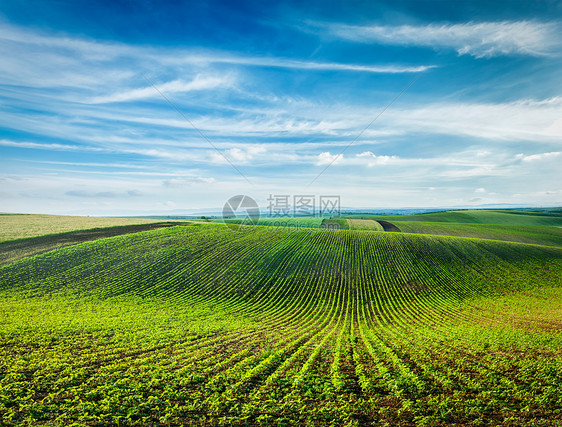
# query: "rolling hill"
{"type": "Point", "coordinates": [21, 226]}
{"type": "Point", "coordinates": [202, 325]}
{"type": "Point", "coordinates": [505, 217]}
{"type": "Point", "coordinates": [533, 234]}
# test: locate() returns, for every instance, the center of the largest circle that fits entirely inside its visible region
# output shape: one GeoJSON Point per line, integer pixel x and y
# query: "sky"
{"type": "Point", "coordinates": [147, 107]}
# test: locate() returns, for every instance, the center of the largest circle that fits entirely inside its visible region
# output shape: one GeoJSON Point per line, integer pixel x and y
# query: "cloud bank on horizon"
{"type": "Point", "coordinates": [160, 108]}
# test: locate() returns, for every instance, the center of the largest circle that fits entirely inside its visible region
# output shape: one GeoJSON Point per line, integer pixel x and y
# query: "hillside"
{"type": "Point", "coordinates": [202, 325]}
{"type": "Point", "coordinates": [505, 217]}
{"type": "Point", "coordinates": [533, 234]}
{"type": "Point", "coordinates": [21, 226]}
{"type": "Point", "coordinates": [14, 250]}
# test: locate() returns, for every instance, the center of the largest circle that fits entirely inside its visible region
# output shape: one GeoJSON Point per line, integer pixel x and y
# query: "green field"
{"type": "Point", "coordinates": [20, 226]}
{"type": "Point", "coordinates": [364, 224]}
{"type": "Point", "coordinates": [203, 325]}
{"type": "Point", "coordinates": [14, 250]}
{"type": "Point", "coordinates": [312, 222]}
{"type": "Point", "coordinates": [336, 224]}
{"type": "Point", "coordinates": [506, 217]}
{"type": "Point", "coordinates": [515, 233]}
{"type": "Point", "coordinates": [542, 228]}
{"type": "Point", "coordinates": [291, 222]}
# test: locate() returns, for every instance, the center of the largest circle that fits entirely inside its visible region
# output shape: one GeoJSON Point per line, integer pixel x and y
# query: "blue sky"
{"type": "Point", "coordinates": [278, 90]}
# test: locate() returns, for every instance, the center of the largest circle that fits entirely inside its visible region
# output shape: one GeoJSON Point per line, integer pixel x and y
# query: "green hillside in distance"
{"type": "Point", "coordinates": [505, 217]}
{"type": "Point", "coordinates": [305, 221]}
{"type": "Point", "coordinates": [14, 250]}
{"type": "Point", "coordinates": [364, 224]}
{"type": "Point", "coordinates": [21, 226]}
{"type": "Point", "coordinates": [539, 235]}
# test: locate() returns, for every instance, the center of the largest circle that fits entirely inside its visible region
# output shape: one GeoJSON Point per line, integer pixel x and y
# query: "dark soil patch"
{"type": "Point", "coordinates": [388, 226]}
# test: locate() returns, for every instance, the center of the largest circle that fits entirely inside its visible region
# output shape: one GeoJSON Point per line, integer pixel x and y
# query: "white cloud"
{"type": "Point", "coordinates": [107, 125]}
{"type": "Point", "coordinates": [374, 160]}
{"type": "Point", "coordinates": [237, 155]}
{"type": "Point", "coordinates": [473, 172]}
{"type": "Point", "coordinates": [522, 120]}
{"type": "Point", "coordinates": [539, 157]}
{"type": "Point", "coordinates": [479, 39]}
{"type": "Point", "coordinates": [366, 158]}
{"type": "Point", "coordinates": [176, 86]}
{"type": "Point", "coordinates": [480, 190]}
{"type": "Point", "coordinates": [275, 62]}
{"type": "Point", "coordinates": [47, 78]}
{"type": "Point", "coordinates": [88, 48]}
{"type": "Point", "coordinates": [47, 146]}
{"type": "Point", "coordinates": [187, 181]}
{"type": "Point", "coordinates": [103, 194]}
{"type": "Point", "coordinates": [456, 166]}
{"type": "Point", "coordinates": [43, 60]}
{"type": "Point", "coordinates": [327, 158]}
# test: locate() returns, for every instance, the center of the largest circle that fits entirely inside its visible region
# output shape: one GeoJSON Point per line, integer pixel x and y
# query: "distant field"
{"type": "Point", "coordinates": [515, 233]}
{"type": "Point", "coordinates": [364, 224]}
{"type": "Point", "coordinates": [336, 223]}
{"type": "Point", "coordinates": [14, 250]}
{"type": "Point", "coordinates": [506, 217]}
{"type": "Point", "coordinates": [313, 222]}
{"type": "Point", "coordinates": [21, 226]}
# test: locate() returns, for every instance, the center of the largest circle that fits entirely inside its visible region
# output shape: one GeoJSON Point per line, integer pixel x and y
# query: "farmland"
{"type": "Point", "coordinates": [20, 226]}
{"type": "Point", "coordinates": [364, 224]}
{"type": "Point", "coordinates": [280, 222]}
{"type": "Point", "coordinates": [534, 234]}
{"type": "Point", "coordinates": [14, 250]}
{"type": "Point", "coordinates": [203, 325]}
{"type": "Point", "coordinates": [506, 217]}
{"type": "Point", "coordinates": [541, 228]}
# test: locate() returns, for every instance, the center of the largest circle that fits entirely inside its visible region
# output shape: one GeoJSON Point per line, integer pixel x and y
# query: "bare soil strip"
{"type": "Point", "coordinates": [388, 226]}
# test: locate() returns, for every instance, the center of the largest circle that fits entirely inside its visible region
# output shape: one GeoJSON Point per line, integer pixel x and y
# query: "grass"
{"type": "Point", "coordinates": [21, 226]}
{"type": "Point", "coordinates": [201, 325]}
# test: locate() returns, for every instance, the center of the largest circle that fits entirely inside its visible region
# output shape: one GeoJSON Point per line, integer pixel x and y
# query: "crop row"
{"type": "Point", "coordinates": [205, 325]}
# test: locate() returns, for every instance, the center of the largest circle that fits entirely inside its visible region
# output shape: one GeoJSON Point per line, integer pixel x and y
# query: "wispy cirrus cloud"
{"type": "Point", "coordinates": [39, 59]}
{"type": "Point", "coordinates": [521, 120]}
{"type": "Point", "coordinates": [238, 155]}
{"type": "Point", "coordinates": [479, 39]}
{"type": "Point", "coordinates": [47, 146]}
{"type": "Point", "coordinates": [176, 86]}
{"type": "Point", "coordinates": [459, 165]}
{"type": "Point", "coordinates": [103, 194]}
{"type": "Point", "coordinates": [553, 155]}
{"type": "Point", "coordinates": [79, 118]}
{"type": "Point", "coordinates": [281, 62]}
